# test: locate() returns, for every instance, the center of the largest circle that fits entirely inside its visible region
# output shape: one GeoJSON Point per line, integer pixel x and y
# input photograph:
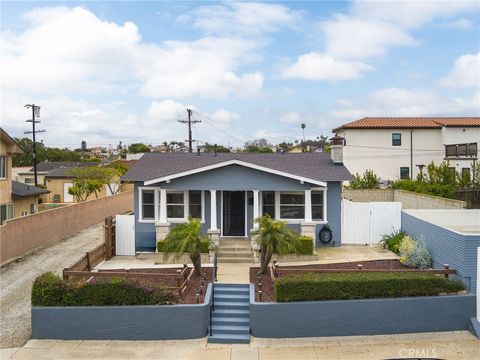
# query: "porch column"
{"type": "Point", "coordinates": [256, 209]}
{"type": "Point", "coordinates": [213, 209]}
{"type": "Point", "coordinates": [163, 207]}
{"type": "Point", "coordinates": [162, 226]}
{"type": "Point", "coordinates": [308, 205]}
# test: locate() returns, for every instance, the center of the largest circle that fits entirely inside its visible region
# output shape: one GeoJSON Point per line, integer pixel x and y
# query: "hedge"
{"type": "Point", "coordinates": [361, 285]}
{"type": "Point", "coordinates": [305, 246]}
{"type": "Point", "coordinates": [50, 290]}
{"type": "Point", "coordinates": [446, 191]}
{"type": "Point", "coordinates": [204, 246]}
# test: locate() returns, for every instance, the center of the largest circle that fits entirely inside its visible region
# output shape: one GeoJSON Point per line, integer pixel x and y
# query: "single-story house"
{"type": "Point", "coordinates": [26, 198]}
{"type": "Point", "coordinates": [227, 191]}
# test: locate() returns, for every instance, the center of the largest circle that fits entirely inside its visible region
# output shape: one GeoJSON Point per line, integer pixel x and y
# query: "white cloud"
{"type": "Point", "coordinates": [465, 72]}
{"type": "Point", "coordinates": [461, 24]}
{"type": "Point", "coordinates": [290, 118]}
{"type": "Point", "coordinates": [223, 116]}
{"type": "Point", "coordinates": [242, 18]}
{"type": "Point", "coordinates": [73, 50]}
{"type": "Point", "coordinates": [316, 66]}
{"type": "Point", "coordinates": [350, 37]}
{"type": "Point", "coordinates": [167, 110]}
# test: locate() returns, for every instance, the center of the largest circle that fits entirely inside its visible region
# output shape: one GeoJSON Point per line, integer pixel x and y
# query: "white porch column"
{"type": "Point", "coordinates": [163, 207]}
{"type": "Point", "coordinates": [308, 205]}
{"type": "Point", "coordinates": [213, 209]}
{"type": "Point", "coordinates": [256, 209]}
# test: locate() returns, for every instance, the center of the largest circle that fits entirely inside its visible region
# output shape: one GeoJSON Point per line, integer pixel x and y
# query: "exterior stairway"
{"type": "Point", "coordinates": [235, 250]}
{"type": "Point", "coordinates": [231, 317]}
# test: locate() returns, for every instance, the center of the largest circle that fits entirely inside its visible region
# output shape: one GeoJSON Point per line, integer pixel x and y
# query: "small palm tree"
{"type": "Point", "coordinates": [274, 237]}
{"type": "Point", "coordinates": [186, 238]}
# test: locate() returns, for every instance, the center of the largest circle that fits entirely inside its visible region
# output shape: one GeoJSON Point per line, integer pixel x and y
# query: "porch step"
{"type": "Point", "coordinates": [231, 317]}
{"type": "Point", "coordinates": [236, 259]}
{"type": "Point", "coordinates": [222, 253]}
{"type": "Point", "coordinates": [234, 248]}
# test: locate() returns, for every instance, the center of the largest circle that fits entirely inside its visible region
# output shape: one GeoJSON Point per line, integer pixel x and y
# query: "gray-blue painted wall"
{"type": "Point", "coordinates": [237, 178]}
{"type": "Point", "coordinates": [446, 247]}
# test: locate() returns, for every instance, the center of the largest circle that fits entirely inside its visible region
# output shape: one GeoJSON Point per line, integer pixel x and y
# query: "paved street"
{"type": "Point", "coordinates": [448, 345]}
{"type": "Point", "coordinates": [16, 281]}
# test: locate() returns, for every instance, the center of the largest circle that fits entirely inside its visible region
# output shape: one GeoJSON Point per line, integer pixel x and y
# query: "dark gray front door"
{"type": "Point", "coordinates": [234, 213]}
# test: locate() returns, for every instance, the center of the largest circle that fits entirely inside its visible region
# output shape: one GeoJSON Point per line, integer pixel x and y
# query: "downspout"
{"type": "Point", "coordinates": [411, 154]}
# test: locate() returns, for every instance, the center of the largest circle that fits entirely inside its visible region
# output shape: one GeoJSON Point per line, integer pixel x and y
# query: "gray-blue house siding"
{"type": "Point", "coordinates": [456, 249]}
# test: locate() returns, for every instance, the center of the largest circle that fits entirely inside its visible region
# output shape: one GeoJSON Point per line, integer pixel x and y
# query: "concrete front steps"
{"type": "Point", "coordinates": [231, 317]}
{"type": "Point", "coordinates": [234, 250]}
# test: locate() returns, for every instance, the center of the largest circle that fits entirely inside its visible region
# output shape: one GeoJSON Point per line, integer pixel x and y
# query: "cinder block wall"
{"type": "Point", "coordinates": [409, 200]}
{"type": "Point", "coordinates": [21, 235]}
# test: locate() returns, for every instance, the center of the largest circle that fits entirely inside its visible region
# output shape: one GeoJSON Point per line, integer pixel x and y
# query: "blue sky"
{"type": "Point", "coordinates": [125, 71]}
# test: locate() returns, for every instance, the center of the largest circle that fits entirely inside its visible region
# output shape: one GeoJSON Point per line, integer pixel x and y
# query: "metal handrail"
{"type": "Point", "coordinates": [214, 278]}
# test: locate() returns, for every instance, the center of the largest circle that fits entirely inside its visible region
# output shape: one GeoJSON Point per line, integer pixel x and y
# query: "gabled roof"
{"type": "Point", "coordinates": [7, 139]}
{"type": "Point", "coordinates": [410, 123]}
{"type": "Point", "coordinates": [316, 168]}
{"type": "Point", "coordinates": [23, 190]}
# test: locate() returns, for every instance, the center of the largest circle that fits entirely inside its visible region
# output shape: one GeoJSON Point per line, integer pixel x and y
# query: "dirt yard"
{"type": "Point", "coordinates": [16, 281]}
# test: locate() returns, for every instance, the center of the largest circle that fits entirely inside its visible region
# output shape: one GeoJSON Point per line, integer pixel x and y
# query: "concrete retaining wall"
{"type": "Point", "coordinates": [164, 322]}
{"type": "Point", "coordinates": [21, 235]}
{"type": "Point", "coordinates": [361, 317]}
{"type": "Point", "coordinates": [409, 200]}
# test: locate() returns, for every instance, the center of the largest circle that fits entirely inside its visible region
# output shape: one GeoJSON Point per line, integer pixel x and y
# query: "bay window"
{"type": "Point", "coordinates": [175, 205]}
{"type": "Point", "coordinates": [148, 204]}
{"type": "Point", "coordinates": [292, 205]}
{"type": "Point", "coordinates": [317, 205]}
{"type": "Point", "coordinates": [268, 203]}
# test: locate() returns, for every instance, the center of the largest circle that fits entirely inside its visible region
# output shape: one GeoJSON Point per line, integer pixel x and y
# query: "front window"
{"type": "Point", "coordinates": [6, 212]}
{"type": "Point", "coordinates": [292, 206]}
{"type": "Point", "coordinates": [148, 204]}
{"type": "Point", "coordinates": [404, 173]}
{"type": "Point", "coordinates": [461, 150]}
{"type": "Point", "coordinates": [396, 139]}
{"type": "Point", "coordinates": [195, 204]}
{"type": "Point", "coordinates": [29, 180]}
{"type": "Point", "coordinates": [175, 205]}
{"type": "Point", "coordinates": [3, 167]}
{"type": "Point", "coordinates": [268, 203]}
{"type": "Point", "coordinates": [317, 205]}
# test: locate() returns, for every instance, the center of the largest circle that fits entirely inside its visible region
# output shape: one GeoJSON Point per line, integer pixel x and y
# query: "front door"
{"type": "Point", "coordinates": [234, 213]}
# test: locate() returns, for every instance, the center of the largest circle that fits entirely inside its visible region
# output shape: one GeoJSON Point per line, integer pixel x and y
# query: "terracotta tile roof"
{"type": "Point", "coordinates": [409, 122]}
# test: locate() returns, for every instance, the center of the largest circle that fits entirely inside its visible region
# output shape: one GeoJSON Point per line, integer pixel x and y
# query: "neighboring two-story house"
{"type": "Point", "coordinates": [397, 147]}
{"type": "Point", "coordinates": [16, 199]}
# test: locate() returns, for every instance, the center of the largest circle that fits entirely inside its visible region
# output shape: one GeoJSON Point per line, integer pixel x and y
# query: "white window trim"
{"type": "Point", "coordinates": [324, 221]}
{"type": "Point", "coordinates": [185, 206]}
{"type": "Point", "coordinates": [6, 168]}
{"type": "Point", "coordinates": [299, 221]}
{"type": "Point", "coordinates": [140, 203]}
{"type": "Point", "coordinates": [277, 214]}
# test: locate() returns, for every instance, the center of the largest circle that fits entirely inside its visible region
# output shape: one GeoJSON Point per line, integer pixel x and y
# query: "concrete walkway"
{"type": "Point", "coordinates": [447, 345]}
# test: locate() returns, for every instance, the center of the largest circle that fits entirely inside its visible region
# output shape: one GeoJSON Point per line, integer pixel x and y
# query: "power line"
{"type": "Point", "coordinates": [35, 112]}
{"type": "Point", "coordinates": [189, 122]}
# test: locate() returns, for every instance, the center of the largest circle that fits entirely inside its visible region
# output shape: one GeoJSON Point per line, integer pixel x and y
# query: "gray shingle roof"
{"type": "Point", "coordinates": [317, 166]}
{"type": "Point", "coordinates": [60, 172]}
{"type": "Point", "coordinates": [46, 166]}
{"type": "Point", "coordinates": [22, 190]}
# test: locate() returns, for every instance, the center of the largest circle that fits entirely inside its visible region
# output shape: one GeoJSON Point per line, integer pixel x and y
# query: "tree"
{"type": "Point", "coordinates": [186, 238]}
{"type": "Point", "coordinates": [274, 237]}
{"type": "Point", "coordinates": [138, 148]}
{"type": "Point", "coordinates": [258, 145]}
{"type": "Point", "coordinates": [210, 148]}
{"type": "Point", "coordinates": [83, 146]}
{"type": "Point", "coordinates": [91, 179]}
{"type": "Point", "coordinates": [368, 181]}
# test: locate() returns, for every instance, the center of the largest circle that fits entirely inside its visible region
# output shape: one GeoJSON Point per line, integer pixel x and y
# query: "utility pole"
{"type": "Point", "coordinates": [189, 122]}
{"type": "Point", "coordinates": [35, 113]}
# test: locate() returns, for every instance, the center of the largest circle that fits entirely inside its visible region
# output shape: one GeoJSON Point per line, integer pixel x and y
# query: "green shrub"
{"type": "Point", "coordinates": [204, 246]}
{"type": "Point", "coordinates": [305, 246]}
{"type": "Point", "coordinates": [361, 285]}
{"type": "Point", "coordinates": [50, 290]}
{"type": "Point", "coordinates": [392, 241]}
{"type": "Point", "coordinates": [442, 190]}
{"type": "Point", "coordinates": [366, 181]}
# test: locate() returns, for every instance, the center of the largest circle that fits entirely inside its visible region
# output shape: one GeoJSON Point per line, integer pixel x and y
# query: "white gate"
{"type": "Point", "coordinates": [125, 235]}
{"type": "Point", "coordinates": [364, 223]}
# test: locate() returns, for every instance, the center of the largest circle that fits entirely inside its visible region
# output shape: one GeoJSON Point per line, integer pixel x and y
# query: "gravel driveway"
{"type": "Point", "coordinates": [16, 281]}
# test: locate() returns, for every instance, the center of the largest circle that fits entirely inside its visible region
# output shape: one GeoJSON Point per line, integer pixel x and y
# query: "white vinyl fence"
{"type": "Point", "coordinates": [364, 223]}
{"type": "Point", "coordinates": [124, 235]}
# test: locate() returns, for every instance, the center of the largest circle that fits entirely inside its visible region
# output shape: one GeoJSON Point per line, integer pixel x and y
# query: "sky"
{"type": "Point", "coordinates": [111, 71]}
